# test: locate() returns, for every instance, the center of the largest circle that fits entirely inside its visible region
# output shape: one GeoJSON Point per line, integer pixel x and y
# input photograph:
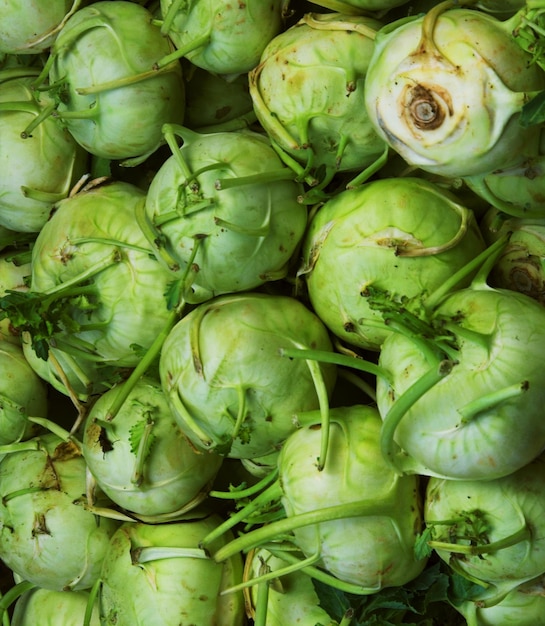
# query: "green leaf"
{"type": "Point", "coordinates": [141, 435]}
{"type": "Point", "coordinates": [533, 112]}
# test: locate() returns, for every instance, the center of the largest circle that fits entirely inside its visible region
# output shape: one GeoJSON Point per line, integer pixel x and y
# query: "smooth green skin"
{"type": "Point", "coordinates": [110, 41]}
{"type": "Point", "coordinates": [517, 190]}
{"type": "Point", "coordinates": [506, 350]}
{"type": "Point", "coordinates": [96, 226]}
{"type": "Point", "coordinates": [224, 357]}
{"type": "Point", "coordinates": [374, 550]}
{"type": "Point", "coordinates": [168, 591]}
{"type": "Point", "coordinates": [45, 607]}
{"type": "Point", "coordinates": [235, 33]}
{"type": "Point", "coordinates": [308, 91]}
{"type": "Point", "coordinates": [173, 473]}
{"type": "Point", "coordinates": [521, 266]}
{"type": "Point", "coordinates": [30, 27]}
{"type": "Point", "coordinates": [524, 606]}
{"type": "Point", "coordinates": [361, 237]}
{"type": "Point", "coordinates": [47, 537]}
{"type": "Point", "coordinates": [22, 394]}
{"type": "Point", "coordinates": [291, 598]}
{"type": "Point", "coordinates": [476, 74]}
{"type": "Point", "coordinates": [48, 163]}
{"type": "Point", "coordinates": [250, 231]}
{"type": "Point", "coordinates": [508, 504]}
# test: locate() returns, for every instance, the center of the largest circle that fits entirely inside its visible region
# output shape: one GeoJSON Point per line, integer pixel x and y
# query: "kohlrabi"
{"type": "Point", "coordinates": [23, 394]}
{"type": "Point", "coordinates": [223, 212]}
{"type": "Point", "coordinates": [308, 94]}
{"type": "Point", "coordinates": [355, 520]}
{"type": "Point", "coordinates": [229, 386]}
{"type": "Point", "coordinates": [215, 104]}
{"type": "Point", "coordinates": [290, 598]}
{"type": "Point", "coordinates": [489, 531]}
{"type": "Point", "coordinates": [465, 389]}
{"type": "Point", "coordinates": [446, 89]}
{"type": "Point", "coordinates": [30, 27]}
{"type": "Point", "coordinates": [524, 606]}
{"type": "Point", "coordinates": [405, 235]}
{"type": "Point", "coordinates": [521, 265]}
{"type": "Point", "coordinates": [47, 536]}
{"type": "Point", "coordinates": [48, 607]}
{"type": "Point", "coordinates": [96, 286]}
{"type": "Point", "coordinates": [141, 459]}
{"type": "Point", "coordinates": [39, 165]}
{"type": "Point", "coordinates": [517, 190]}
{"type": "Point", "coordinates": [222, 37]}
{"type": "Point", "coordinates": [159, 574]}
{"type": "Point", "coordinates": [110, 95]}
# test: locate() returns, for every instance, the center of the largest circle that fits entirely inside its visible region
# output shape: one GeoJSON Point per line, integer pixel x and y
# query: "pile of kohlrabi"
{"type": "Point", "coordinates": [272, 324]}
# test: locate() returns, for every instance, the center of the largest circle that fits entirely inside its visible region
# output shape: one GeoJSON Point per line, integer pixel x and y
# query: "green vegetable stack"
{"type": "Point", "coordinates": [272, 323]}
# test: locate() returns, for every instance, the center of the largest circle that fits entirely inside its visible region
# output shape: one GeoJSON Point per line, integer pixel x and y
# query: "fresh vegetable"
{"type": "Point", "coordinates": [228, 385]}
{"type": "Point", "coordinates": [96, 287]}
{"type": "Point", "coordinates": [171, 579]}
{"type": "Point", "coordinates": [222, 37]}
{"type": "Point", "coordinates": [489, 531]}
{"type": "Point", "coordinates": [308, 94]}
{"type": "Point", "coordinates": [223, 213]}
{"type": "Point", "coordinates": [140, 459]}
{"type": "Point", "coordinates": [465, 391]}
{"type": "Point", "coordinates": [407, 236]}
{"type": "Point", "coordinates": [47, 536]}
{"type": "Point", "coordinates": [40, 164]}
{"type": "Point", "coordinates": [101, 70]}
{"type": "Point", "coordinates": [457, 81]}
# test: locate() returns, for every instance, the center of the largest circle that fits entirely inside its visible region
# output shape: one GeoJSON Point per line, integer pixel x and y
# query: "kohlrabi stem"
{"type": "Point", "coordinates": [141, 453]}
{"type": "Point", "coordinates": [261, 604]}
{"type": "Point", "coordinates": [155, 553]}
{"type": "Point", "coordinates": [323, 402]}
{"type": "Point", "coordinates": [63, 288]}
{"type": "Point", "coordinates": [416, 251]}
{"type": "Point", "coordinates": [403, 403]}
{"type": "Point", "coordinates": [325, 356]}
{"type": "Point", "coordinates": [247, 492]}
{"type": "Point", "coordinates": [142, 366]}
{"type": "Point", "coordinates": [205, 440]}
{"type": "Point", "coordinates": [12, 594]}
{"type": "Point", "coordinates": [488, 401]}
{"type": "Point", "coordinates": [121, 82]}
{"type": "Point", "coordinates": [523, 534]}
{"type": "Point", "coordinates": [92, 598]}
{"type": "Point", "coordinates": [280, 527]}
{"type": "Point", "coordinates": [155, 238]}
{"type": "Point", "coordinates": [271, 575]}
{"type": "Point", "coordinates": [241, 411]}
{"type": "Point", "coordinates": [284, 173]}
{"type": "Point", "coordinates": [183, 51]}
{"type": "Point", "coordinates": [321, 575]}
{"type": "Point", "coordinates": [365, 174]}
{"type": "Point", "coordinates": [270, 494]}
{"type": "Point", "coordinates": [481, 264]}
{"type": "Point", "coordinates": [55, 428]}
